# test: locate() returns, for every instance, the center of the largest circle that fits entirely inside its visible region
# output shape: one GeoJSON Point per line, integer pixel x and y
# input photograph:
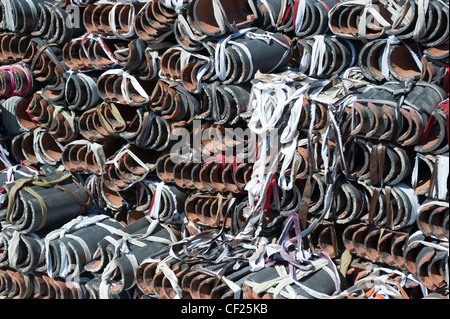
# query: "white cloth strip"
{"type": "Point", "coordinates": [441, 191]}
{"type": "Point", "coordinates": [299, 15]}
{"type": "Point", "coordinates": [131, 18]}
{"type": "Point", "coordinates": [317, 55]}
{"type": "Point", "coordinates": [219, 55]}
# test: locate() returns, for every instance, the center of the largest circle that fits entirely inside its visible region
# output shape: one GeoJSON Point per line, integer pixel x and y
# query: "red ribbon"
{"type": "Point", "coordinates": [258, 141]}
{"type": "Point", "coordinates": [446, 81]}
{"type": "Point", "coordinates": [295, 12]}
{"type": "Point", "coordinates": [28, 112]}
{"type": "Point", "coordinates": [443, 105]}
{"type": "Point", "coordinates": [138, 194]}
{"type": "Point", "coordinates": [270, 191]}
{"type": "Point", "coordinates": [326, 5]}
{"type": "Point", "coordinates": [301, 183]}
{"type": "Point", "coordinates": [10, 70]}
{"type": "Point", "coordinates": [286, 14]}
{"type": "Point", "coordinates": [151, 204]}
{"type": "Point", "coordinates": [220, 158]}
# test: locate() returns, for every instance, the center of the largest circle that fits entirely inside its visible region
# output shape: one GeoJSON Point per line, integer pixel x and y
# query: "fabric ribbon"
{"type": "Point", "coordinates": [362, 25]}
{"type": "Point", "coordinates": [14, 250]}
{"type": "Point", "coordinates": [136, 86]}
{"type": "Point", "coordinates": [70, 227]}
{"type": "Point", "coordinates": [289, 136]}
{"type": "Point", "coordinates": [219, 55]}
{"type": "Point", "coordinates": [273, 23]}
{"type": "Point", "coordinates": [156, 202]}
{"type": "Point", "coordinates": [170, 275]}
{"type": "Point", "coordinates": [440, 189]}
{"type": "Point", "coordinates": [299, 14]}
{"type": "Point", "coordinates": [420, 28]}
{"type": "Point", "coordinates": [4, 154]}
{"type": "Point", "coordinates": [317, 55]}
{"type": "Point", "coordinates": [84, 43]}
{"type": "Point", "coordinates": [176, 5]}
{"type": "Point", "coordinates": [271, 191]}
{"type": "Point", "coordinates": [392, 40]}
{"type": "Point", "coordinates": [300, 262]}
{"type": "Point", "coordinates": [131, 17]}
{"type": "Point", "coordinates": [96, 148]}
{"type": "Point", "coordinates": [28, 112]}
{"type": "Point", "coordinates": [124, 150]}
{"type": "Point", "coordinates": [267, 37]}
{"type": "Point", "coordinates": [90, 83]}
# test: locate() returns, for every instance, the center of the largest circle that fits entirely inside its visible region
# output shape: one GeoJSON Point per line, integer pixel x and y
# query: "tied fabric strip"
{"type": "Point", "coordinates": [219, 55]}
{"type": "Point", "coordinates": [272, 19]}
{"type": "Point", "coordinates": [268, 102]}
{"type": "Point", "coordinates": [4, 154]}
{"type": "Point", "coordinates": [124, 151]}
{"type": "Point", "coordinates": [90, 83]}
{"type": "Point", "coordinates": [220, 63]}
{"type": "Point", "coordinates": [299, 14]}
{"type": "Point", "coordinates": [85, 42]}
{"type": "Point", "coordinates": [156, 202]}
{"type": "Point", "coordinates": [299, 261]}
{"type": "Point", "coordinates": [28, 112]}
{"type": "Point", "coordinates": [268, 37]}
{"type": "Point", "coordinates": [176, 5]}
{"type": "Point", "coordinates": [131, 18]}
{"type": "Point", "coordinates": [317, 55]}
{"type": "Point", "coordinates": [289, 136]}
{"type": "Point", "coordinates": [375, 14]}
{"type": "Point", "coordinates": [73, 225]}
{"type": "Point", "coordinates": [392, 40]}
{"type": "Point", "coordinates": [420, 28]}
